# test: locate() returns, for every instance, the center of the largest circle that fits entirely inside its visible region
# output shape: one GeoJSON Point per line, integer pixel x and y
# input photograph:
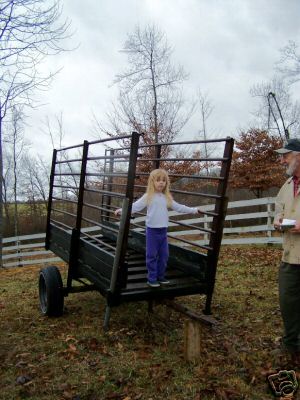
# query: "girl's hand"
{"type": "Point", "coordinates": [118, 212]}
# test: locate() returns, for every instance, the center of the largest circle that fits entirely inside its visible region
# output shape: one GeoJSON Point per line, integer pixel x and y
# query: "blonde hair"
{"type": "Point", "coordinates": [154, 175]}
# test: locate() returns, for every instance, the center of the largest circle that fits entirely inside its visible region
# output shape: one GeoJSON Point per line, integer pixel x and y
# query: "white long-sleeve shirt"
{"type": "Point", "coordinates": [157, 210]}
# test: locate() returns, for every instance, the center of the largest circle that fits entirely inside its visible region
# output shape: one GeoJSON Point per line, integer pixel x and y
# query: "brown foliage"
{"type": "Point", "coordinates": [255, 165]}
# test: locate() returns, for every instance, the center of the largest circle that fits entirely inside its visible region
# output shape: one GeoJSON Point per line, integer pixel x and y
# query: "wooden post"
{"type": "Point", "coordinates": [192, 345]}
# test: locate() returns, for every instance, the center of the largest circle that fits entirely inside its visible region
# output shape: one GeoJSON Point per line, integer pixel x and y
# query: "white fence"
{"type": "Point", "coordinates": [29, 249]}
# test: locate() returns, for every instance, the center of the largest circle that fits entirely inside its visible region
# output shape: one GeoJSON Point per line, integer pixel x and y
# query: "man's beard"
{"type": "Point", "coordinates": [292, 167]}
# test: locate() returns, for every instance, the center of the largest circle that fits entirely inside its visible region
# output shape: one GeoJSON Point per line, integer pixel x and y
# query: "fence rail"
{"type": "Point", "coordinates": [256, 229]}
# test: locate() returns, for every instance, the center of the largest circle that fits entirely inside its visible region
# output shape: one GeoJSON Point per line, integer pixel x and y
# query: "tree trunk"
{"type": "Point", "coordinates": [16, 217]}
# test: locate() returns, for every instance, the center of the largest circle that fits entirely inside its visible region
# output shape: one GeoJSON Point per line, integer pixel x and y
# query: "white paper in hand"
{"type": "Point", "coordinates": [288, 223]}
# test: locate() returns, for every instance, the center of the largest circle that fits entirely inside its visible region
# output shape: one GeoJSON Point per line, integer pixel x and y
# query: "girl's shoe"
{"type": "Point", "coordinates": [164, 281]}
{"type": "Point", "coordinates": [153, 284]}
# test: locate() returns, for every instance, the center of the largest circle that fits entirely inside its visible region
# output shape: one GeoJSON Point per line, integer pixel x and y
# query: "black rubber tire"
{"type": "Point", "coordinates": [51, 292]}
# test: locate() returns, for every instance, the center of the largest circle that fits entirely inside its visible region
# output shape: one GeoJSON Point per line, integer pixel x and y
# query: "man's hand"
{"type": "Point", "coordinates": [277, 224]}
{"type": "Point", "coordinates": [296, 229]}
{"type": "Point", "coordinates": [118, 212]}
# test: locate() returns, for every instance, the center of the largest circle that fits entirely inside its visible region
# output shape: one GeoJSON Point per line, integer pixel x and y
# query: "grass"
{"type": "Point", "coordinates": [141, 356]}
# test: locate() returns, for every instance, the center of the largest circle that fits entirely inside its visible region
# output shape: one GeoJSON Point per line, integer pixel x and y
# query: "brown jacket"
{"type": "Point", "coordinates": [288, 206]}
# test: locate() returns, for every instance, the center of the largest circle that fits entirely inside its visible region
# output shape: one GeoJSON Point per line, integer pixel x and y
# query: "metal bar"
{"type": "Point", "coordinates": [205, 177]}
{"type": "Point", "coordinates": [115, 184]}
{"type": "Point", "coordinates": [208, 320]}
{"type": "Point", "coordinates": [116, 194]}
{"type": "Point", "coordinates": [109, 157]}
{"type": "Point", "coordinates": [189, 242]}
{"type": "Point", "coordinates": [106, 317]}
{"type": "Point", "coordinates": [103, 180]}
{"type": "Point", "coordinates": [117, 161]}
{"type": "Point", "coordinates": [109, 183]}
{"type": "Point", "coordinates": [81, 184]}
{"type": "Point", "coordinates": [217, 224]}
{"type": "Point", "coordinates": [66, 187]}
{"type": "Point", "coordinates": [181, 159]}
{"type": "Point", "coordinates": [115, 138]}
{"type": "Point", "coordinates": [64, 200]}
{"type": "Point", "coordinates": [68, 161]}
{"type": "Point", "coordinates": [68, 174]}
{"type": "Point", "coordinates": [178, 143]}
{"type": "Point", "coordinates": [50, 199]}
{"type": "Point", "coordinates": [99, 208]}
{"type": "Point", "coordinates": [157, 156]}
{"type": "Point", "coordinates": [74, 247]}
{"type": "Point", "coordinates": [126, 214]}
{"type": "Point", "coordinates": [211, 196]}
{"type": "Point", "coordinates": [99, 224]}
{"type": "Point", "coordinates": [98, 240]}
{"type": "Point", "coordinates": [192, 226]}
{"type": "Point", "coordinates": [188, 142]}
{"type": "Point", "coordinates": [115, 174]}
{"type": "Point", "coordinates": [119, 244]}
{"type": "Point", "coordinates": [96, 142]}
{"type": "Point", "coordinates": [211, 213]}
{"type": "Point", "coordinates": [55, 222]}
{"type": "Point", "coordinates": [76, 146]}
{"type": "Point", "coordinates": [64, 212]}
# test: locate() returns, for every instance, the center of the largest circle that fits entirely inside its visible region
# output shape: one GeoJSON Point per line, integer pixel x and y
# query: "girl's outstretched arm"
{"type": "Point", "coordinates": [181, 208]}
{"type": "Point", "coordinates": [137, 206]}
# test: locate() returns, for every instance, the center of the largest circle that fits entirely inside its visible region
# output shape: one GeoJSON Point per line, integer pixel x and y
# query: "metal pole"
{"type": "Point", "coordinates": [217, 224]}
{"type": "Point", "coordinates": [52, 176]}
{"type": "Point", "coordinates": [156, 163]}
{"type": "Point", "coordinates": [115, 268]}
{"type": "Point", "coordinates": [286, 132]}
{"type": "Point", "coordinates": [74, 246]}
{"type": "Point", "coordinates": [121, 245]}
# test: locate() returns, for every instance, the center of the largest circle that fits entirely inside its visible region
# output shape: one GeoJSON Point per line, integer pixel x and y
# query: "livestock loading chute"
{"type": "Point", "coordinates": [89, 181]}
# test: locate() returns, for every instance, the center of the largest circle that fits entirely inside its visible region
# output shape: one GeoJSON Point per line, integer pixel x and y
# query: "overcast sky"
{"type": "Point", "coordinates": [225, 46]}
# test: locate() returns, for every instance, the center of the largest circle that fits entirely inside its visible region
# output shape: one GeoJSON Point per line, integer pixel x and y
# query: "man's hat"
{"type": "Point", "coordinates": [290, 145]}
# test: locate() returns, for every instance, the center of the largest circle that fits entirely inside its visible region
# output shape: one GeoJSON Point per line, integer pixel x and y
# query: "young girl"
{"type": "Point", "coordinates": [157, 200]}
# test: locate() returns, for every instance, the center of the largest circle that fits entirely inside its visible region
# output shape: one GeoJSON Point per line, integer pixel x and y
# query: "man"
{"type": "Point", "coordinates": [288, 207]}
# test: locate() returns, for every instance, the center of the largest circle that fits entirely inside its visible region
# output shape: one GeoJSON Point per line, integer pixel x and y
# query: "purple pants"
{"type": "Point", "coordinates": [157, 253]}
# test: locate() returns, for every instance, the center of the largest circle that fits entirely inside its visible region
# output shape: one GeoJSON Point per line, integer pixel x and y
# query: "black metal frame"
{"type": "Point", "coordinates": [109, 258]}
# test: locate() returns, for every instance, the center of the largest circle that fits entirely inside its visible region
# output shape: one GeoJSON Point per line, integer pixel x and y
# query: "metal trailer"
{"type": "Point", "coordinates": [88, 182]}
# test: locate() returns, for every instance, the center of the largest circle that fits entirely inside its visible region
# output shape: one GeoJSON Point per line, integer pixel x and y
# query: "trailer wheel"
{"type": "Point", "coordinates": [51, 292]}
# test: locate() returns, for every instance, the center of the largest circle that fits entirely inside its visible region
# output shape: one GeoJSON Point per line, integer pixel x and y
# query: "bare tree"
{"type": "Point", "coordinates": [18, 144]}
{"type": "Point", "coordinates": [277, 112]}
{"type": "Point", "coordinates": [29, 31]}
{"type": "Point", "coordinates": [150, 89]}
{"type": "Point", "coordinates": [55, 130]}
{"type": "Point", "coordinates": [289, 62]}
{"type": "Point", "coordinates": [14, 145]}
{"type": "Point", "coordinates": [6, 190]}
{"type": "Point", "coordinates": [35, 178]}
{"type": "Point", "coordinates": [206, 109]}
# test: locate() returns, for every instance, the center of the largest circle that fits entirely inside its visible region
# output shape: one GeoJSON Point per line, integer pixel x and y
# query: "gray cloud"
{"type": "Point", "coordinates": [225, 45]}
